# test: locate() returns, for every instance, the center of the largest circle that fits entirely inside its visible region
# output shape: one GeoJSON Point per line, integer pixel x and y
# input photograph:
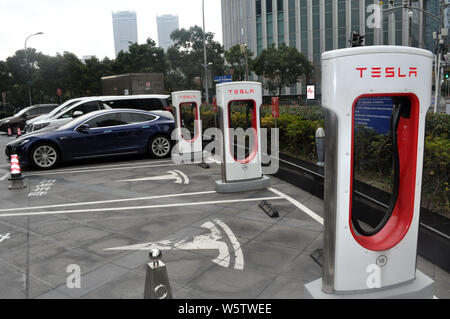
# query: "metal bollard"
{"type": "Point", "coordinates": [320, 146]}
{"type": "Point", "coordinates": [156, 279]}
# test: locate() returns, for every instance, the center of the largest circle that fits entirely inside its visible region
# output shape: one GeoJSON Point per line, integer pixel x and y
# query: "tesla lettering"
{"type": "Point", "coordinates": [387, 72]}
{"type": "Point", "coordinates": [241, 91]}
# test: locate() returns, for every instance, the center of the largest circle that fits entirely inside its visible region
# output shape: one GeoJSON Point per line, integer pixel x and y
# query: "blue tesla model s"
{"type": "Point", "coordinates": [96, 134]}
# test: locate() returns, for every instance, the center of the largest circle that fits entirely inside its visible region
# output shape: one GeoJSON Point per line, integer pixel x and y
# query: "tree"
{"type": "Point", "coordinates": [140, 58]}
{"type": "Point", "coordinates": [281, 67]}
{"type": "Point", "coordinates": [186, 54]}
{"type": "Point", "coordinates": [236, 60]}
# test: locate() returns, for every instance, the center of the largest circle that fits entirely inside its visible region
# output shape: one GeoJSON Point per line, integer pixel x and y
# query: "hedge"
{"type": "Point", "coordinates": [298, 125]}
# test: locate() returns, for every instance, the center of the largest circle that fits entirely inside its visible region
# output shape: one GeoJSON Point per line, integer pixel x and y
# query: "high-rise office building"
{"type": "Point", "coordinates": [315, 26]}
{"type": "Point", "coordinates": [125, 30]}
{"type": "Point", "coordinates": [166, 25]}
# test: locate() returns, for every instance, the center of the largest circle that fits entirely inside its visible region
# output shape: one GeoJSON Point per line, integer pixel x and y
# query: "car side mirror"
{"type": "Point", "coordinates": [83, 128]}
{"type": "Point", "coordinates": [77, 113]}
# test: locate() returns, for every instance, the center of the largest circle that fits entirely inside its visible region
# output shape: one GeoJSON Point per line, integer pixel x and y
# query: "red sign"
{"type": "Point", "coordinates": [388, 72]}
{"type": "Point", "coordinates": [58, 92]}
{"type": "Point", "coordinates": [214, 102]}
{"type": "Point", "coordinates": [275, 107]}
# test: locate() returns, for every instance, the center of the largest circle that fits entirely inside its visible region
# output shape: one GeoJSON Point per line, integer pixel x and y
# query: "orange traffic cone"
{"type": "Point", "coordinates": [9, 131]}
{"type": "Point", "coordinates": [16, 174]}
{"type": "Point", "coordinates": [19, 133]}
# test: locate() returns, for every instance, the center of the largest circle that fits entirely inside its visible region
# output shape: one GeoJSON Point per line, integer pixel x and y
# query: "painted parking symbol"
{"type": "Point", "coordinates": [211, 241]}
{"type": "Point", "coordinates": [4, 237]}
{"type": "Point", "coordinates": [177, 176]}
{"type": "Point", "coordinates": [42, 188]}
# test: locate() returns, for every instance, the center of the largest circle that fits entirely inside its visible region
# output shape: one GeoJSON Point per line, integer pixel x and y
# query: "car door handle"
{"type": "Point", "coordinates": [107, 131]}
{"type": "Point", "coordinates": [63, 138]}
{"type": "Point", "coordinates": [146, 126]}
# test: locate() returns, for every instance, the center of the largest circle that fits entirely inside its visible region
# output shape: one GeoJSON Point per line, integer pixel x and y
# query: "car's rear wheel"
{"type": "Point", "coordinates": [45, 156]}
{"type": "Point", "coordinates": [159, 146]}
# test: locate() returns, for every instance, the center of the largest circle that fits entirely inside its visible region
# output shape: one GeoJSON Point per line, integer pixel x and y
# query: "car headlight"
{"type": "Point", "coordinates": [18, 143]}
{"type": "Point", "coordinates": [40, 126]}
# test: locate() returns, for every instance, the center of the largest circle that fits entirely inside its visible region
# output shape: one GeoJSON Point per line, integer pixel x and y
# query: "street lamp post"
{"type": "Point", "coordinates": [204, 53]}
{"type": "Point", "coordinates": [28, 66]}
{"type": "Point", "coordinates": [244, 51]}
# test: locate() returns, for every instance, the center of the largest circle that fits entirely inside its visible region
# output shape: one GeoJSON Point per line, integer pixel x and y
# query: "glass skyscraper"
{"type": "Point", "coordinates": [166, 25]}
{"type": "Point", "coordinates": [315, 26]}
{"type": "Point", "coordinates": [125, 30]}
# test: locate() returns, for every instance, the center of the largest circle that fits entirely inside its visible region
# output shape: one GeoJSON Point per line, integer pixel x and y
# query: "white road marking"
{"type": "Point", "coordinates": [239, 257]}
{"type": "Point", "coordinates": [211, 241]}
{"type": "Point", "coordinates": [42, 188]}
{"type": "Point", "coordinates": [300, 206]}
{"type": "Point", "coordinates": [3, 237]}
{"type": "Point", "coordinates": [108, 201]}
{"type": "Point", "coordinates": [4, 177]}
{"type": "Point", "coordinates": [140, 207]}
{"type": "Point", "coordinates": [213, 160]}
{"type": "Point", "coordinates": [102, 169]}
{"type": "Point", "coordinates": [178, 176]}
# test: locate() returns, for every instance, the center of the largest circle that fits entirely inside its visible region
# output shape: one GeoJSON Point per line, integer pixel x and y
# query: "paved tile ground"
{"type": "Point", "coordinates": [89, 208]}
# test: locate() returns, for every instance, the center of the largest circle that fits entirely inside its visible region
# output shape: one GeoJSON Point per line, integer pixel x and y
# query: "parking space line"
{"type": "Point", "coordinates": [4, 177]}
{"type": "Point", "coordinates": [102, 169]}
{"type": "Point", "coordinates": [119, 165]}
{"type": "Point", "coordinates": [93, 210]}
{"type": "Point", "coordinates": [300, 206]}
{"type": "Point", "coordinates": [107, 201]}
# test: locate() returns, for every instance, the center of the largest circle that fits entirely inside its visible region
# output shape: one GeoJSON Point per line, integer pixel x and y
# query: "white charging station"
{"type": "Point", "coordinates": [241, 166]}
{"type": "Point", "coordinates": [360, 261]}
{"type": "Point", "coordinates": [188, 127]}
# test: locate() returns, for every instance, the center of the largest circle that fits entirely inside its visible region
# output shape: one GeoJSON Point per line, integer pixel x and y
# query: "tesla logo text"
{"type": "Point", "coordinates": [187, 97]}
{"type": "Point", "coordinates": [241, 91]}
{"type": "Point", "coordinates": [388, 72]}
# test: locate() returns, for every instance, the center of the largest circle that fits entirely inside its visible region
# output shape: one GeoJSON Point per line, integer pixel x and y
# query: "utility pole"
{"type": "Point", "coordinates": [204, 53]}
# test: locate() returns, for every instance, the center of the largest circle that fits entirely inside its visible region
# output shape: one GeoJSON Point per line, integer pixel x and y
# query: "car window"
{"type": "Point", "coordinates": [32, 112]}
{"type": "Point", "coordinates": [111, 119]}
{"type": "Point", "coordinates": [132, 117]}
{"type": "Point", "coordinates": [85, 108]}
{"type": "Point", "coordinates": [152, 104]}
{"type": "Point", "coordinates": [45, 109]}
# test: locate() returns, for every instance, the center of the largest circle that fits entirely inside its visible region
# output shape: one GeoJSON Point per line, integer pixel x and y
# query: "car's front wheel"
{"type": "Point", "coordinates": [45, 156]}
{"type": "Point", "coordinates": [159, 146]}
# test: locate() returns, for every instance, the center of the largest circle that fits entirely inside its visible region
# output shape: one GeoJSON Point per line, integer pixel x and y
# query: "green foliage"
{"type": "Point", "coordinates": [236, 61]}
{"type": "Point", "coordinates": [281, 67]}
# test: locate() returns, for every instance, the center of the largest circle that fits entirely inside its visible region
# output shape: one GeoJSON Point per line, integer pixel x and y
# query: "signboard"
{"type": "Point", "coordinates": [222, 78]}
{"type": "Point", "coordinates": [275, 107]}
{"type": "Point", "coordinates": [214, 102]}
{"type": "Point", "coordinates": [58, 92]}
{"type": "Point", "coordinates": [125, 92]}
{"type": "Point", "coordinates": [148, 85]}
{"type": "Point", "coordinates": [374, 113]}
{"type": "Point", "coordinates": [311, 92]}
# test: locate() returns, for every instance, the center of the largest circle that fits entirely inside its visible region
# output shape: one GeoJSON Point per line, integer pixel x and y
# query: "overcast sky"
{"type": "Point", "coordinates": [84, 27]}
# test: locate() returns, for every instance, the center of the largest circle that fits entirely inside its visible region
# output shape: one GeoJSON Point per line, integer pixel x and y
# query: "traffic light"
{"type": "Point", "coordinates": [446, 74]}
{"type": "Point", "coordinates": [357, 39]}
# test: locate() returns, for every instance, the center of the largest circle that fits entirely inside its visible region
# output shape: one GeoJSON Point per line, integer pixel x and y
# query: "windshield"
{"type": "Point", "coordinates": [77, 121]}
{"type": "Point", "coordinates": [62, 107]}
{"type": "Point", "coordinates": [23, 111]}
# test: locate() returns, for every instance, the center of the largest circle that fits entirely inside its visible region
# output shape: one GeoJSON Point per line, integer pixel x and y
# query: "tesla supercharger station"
{"type": "Point", "coordinates": [377, 261]}
{"type": "Point", "coordinates": [241, 165]}
{"type": "Point", "coordinates": [188, 127]}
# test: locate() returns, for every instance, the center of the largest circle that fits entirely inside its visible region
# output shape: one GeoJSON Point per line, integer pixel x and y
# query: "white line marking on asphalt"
{"type": "Point", "coordinates": [178, 176]}
{"type": "Point", "coordinates": [108, 201]}
{"type": "Point", "coordinates": [205, 241]}
{"type": "Point", "coordinates": [93, 210]}
{"type": "Point", "coordinates": [3, 237]}
{"type": "Point", "coordinates": [300, 206]}
{"type": "Point", "coordinates": [42, 188]}
{"type": "Point", "coordinates": [4, 177]}
{"type": "Point", "coordinates": [213, 160]}
{"type": "Point", "coordinates": [105, 169]}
